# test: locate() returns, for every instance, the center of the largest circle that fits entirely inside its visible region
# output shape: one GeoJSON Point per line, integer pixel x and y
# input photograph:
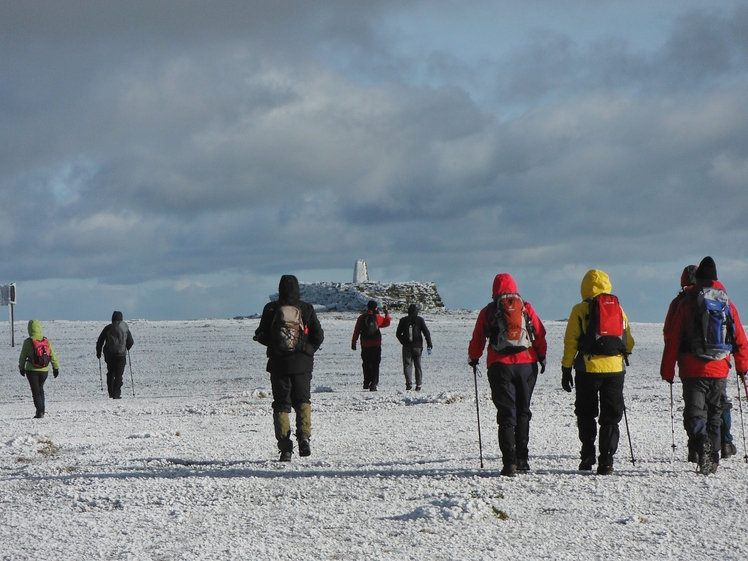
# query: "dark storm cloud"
{"type": "Point", "coordinates": [159, 140]}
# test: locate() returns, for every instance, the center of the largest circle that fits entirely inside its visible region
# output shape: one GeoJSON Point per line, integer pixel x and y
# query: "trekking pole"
{"type": "Point", "coordinates": [672, 418]}
{"type": "Point", "coordinates": [101, 380]}
{"type": "Point", "coordinates": [477, 411]}
{"type": "Point", "coordinates": [742, 426]}
{"type": "Point", "coordinates": [628, 434]}
{"type": "Point", "coordinates": [132, 382]}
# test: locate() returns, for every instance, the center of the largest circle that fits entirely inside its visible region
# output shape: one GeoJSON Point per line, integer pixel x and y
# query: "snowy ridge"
{"type": "Point", "coordinates": [352, 297]}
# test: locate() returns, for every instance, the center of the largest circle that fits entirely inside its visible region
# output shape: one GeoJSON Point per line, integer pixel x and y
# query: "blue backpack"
{"type": "Point", "coordinates": [712, 333]}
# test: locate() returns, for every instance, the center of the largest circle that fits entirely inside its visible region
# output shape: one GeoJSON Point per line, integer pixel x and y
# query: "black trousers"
{"type": "Point", "coordinates": [115, 369]}
{"type": "Point", "coordinates": [36, 381]}
{"type": "Point", "coordinates": [599, 394]}
{"type": "Point", "coordinates": [511, 391]}
{"type": "Point", "coordinates": [371, 358]}
{"type": "Point", "coordinates": [702, 410]}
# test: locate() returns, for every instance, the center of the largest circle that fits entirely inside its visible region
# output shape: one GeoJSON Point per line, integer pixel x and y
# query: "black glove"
{"type": "Point", "coordinates": [567, 381]}
{"type": "Point", "coordinates": [474, 362]}
{"type": "Point", "coordinates": [98, 355]}
{"type": "Point", "coordinates": [542, 365]}
{"type": "Point", "coordinates": [22, 370]}
{"type": "Point", "coordinates": [353, 346]}
{"type": "Point", "coordinates": [55, 372]}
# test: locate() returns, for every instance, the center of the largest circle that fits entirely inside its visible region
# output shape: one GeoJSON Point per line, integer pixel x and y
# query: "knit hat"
{"type": "Point", "coordinates": [707, 269]}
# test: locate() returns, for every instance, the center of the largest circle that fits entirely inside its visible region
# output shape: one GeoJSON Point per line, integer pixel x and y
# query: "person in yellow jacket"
{"type": "Point", "coordinates": [599, 374]}
{"type": "Point", "coordinates": [37, 354]}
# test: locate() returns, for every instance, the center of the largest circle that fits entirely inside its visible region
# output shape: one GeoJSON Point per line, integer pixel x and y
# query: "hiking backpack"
{"type": "Point", "coordinates": [605, 327]}
{"type": "Point", "coordinates": [40, 357]}
{"type": "Point", "coordinates": [116, 339]}
{"type": "Point", "coordinates": [712, 331]}
{"type": "Point", "coordinates": [510, 326]}
{"type": "Point", "coordinates": [287, 329]}
{"type": "Point", "coordinates": [369, 326]}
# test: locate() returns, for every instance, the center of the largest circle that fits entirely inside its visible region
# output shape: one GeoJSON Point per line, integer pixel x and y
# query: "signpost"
{"type": "Point", "coordinates": [8, 298]}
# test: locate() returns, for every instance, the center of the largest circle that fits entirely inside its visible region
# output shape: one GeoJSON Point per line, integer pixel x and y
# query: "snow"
{"type": "Point", "coordinates": [187, 469]}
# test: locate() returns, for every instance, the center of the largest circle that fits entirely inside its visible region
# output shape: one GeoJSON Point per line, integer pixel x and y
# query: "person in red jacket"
{"type": "Point", "coordinates": [367, 327]}
{"type": "Point", "coordinates": [512, 371]}
{"type": "Point", "coordinates": [704, 379]}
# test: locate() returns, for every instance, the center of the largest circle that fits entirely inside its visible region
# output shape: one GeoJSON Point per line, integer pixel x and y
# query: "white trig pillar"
{"type": "Point", "coordinates": [8, 298]}
{"type": "Point", "coordinates": [360, 272]}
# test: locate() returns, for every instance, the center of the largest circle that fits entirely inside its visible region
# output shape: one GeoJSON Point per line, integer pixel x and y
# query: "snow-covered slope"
{"type": "Point", "coordinates": [187, 468]}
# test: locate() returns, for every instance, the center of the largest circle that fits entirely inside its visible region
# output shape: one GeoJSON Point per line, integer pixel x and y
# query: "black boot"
{"type": "Point", "coordinates": [508, 450]}
{"type": "Point", "coordinates": [285, 446]}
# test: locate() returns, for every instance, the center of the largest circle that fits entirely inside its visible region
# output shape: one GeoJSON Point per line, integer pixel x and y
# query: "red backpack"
{"type": "Point", "coordinates": [510, 327]}
{"type": "Point", "coordinates": [605, 329]}
{"type": "Point", "coordinates": [40, 357]}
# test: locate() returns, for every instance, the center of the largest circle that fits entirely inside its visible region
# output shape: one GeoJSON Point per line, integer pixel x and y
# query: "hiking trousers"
{"type": "Point", "coordinates": [371, 357]}
{"type": "Point", "coordinates": [412, 362]}
{"type": "Point", "coordinates": [36, 380]}
{"type": "Point", "coordinates": [511, 391]}
{"type": "Point", "coordinates": [115, 369]}
{"type": "Point", "coordinates": [702, 409]}
{"type": "Point", "coordinates": [599, 394]}
{"type": "Point", "coordinates": [292, 392]}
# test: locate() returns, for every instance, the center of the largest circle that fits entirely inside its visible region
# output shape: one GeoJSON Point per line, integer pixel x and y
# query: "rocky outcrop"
{"type": "Point", "coordinates": [343, 296]}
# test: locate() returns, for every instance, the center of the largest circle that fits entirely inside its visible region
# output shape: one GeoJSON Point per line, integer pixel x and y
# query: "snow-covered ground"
{"type": "Point", "coordinates": [187, 468]}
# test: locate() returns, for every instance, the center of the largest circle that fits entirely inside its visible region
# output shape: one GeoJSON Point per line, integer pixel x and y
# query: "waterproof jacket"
{"type": "Point", "coordinates": [594, 283]}
{"type": "Point", "coordinates": [117, 325]}
{"type": "Point", "coordinates": [382, 321]}
{"type": "Point", "coordinates": [687, 282]}
{"type": "Point", "coordinates": [419, 331]}
{"type": "Point", "coordinates": [27, 350]}
{"type": "Point", "coordinates": [676, 348]}
{"type": "Point", "coordinates": [302, 360]}
{"type": "Point", "coordinates": [503, 283]}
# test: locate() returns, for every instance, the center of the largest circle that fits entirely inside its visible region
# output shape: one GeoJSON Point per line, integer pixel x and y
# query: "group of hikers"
{"type": "Point", "coordinates": [702, 335]}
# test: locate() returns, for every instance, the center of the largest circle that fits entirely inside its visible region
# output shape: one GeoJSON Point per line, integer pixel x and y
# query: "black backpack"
{"type": "Point", "coordinates": [370, 327]}
{"type": "Point", "coordinates": [116, 339]}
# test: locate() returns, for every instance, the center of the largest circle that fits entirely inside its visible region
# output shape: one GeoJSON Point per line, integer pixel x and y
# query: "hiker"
{"type": "Point", "coordinates": [687, 283]}
{"type": "Point", "coordinates": [704, 331]}
{"type": "Point", "coordinates": [367, 327]}
{"type": "Point", "coordinates": [115, 340]}
{"type": "Point", "coordinates": [290, 330]}
{"type": "Point", "coordinates": [37, 354]}
{"type": "Point", "coordinates": [516, 338]}
{"type": "Point", "coordinates": [597, 343]}
{"type": "Point", "coordinates": [411, 330]}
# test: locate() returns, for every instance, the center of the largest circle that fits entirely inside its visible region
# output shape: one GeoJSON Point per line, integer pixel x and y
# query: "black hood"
{"type": "Point", "coordinates": [116, 316]}
{"type": "Point", "coordinates": [288, 289]}
{"type": "Point", "coordinates": [413, 310]}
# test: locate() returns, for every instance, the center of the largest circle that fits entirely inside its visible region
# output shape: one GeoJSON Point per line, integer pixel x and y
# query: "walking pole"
{"type": "Point", "coordinates": [101, 380]}
{"type": "Point", "coordinates": [672, 419]}
{"type": "Point", "coordinates": [477, 411]}
{"type": "Point", "coordinates": [740, 406]}
{"type": "Point", "coordinates": [132, 382]}
{"type": "Point", "coordinates": [628, 434]}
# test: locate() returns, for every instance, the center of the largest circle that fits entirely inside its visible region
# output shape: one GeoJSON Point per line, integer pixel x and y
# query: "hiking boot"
{"type": "Point", "coordinates": [604, 465]}
{"type": "Point", "coordinates": [39, 415]}
{"type": "Point", "coordinates": [372, 388]}
{"type": "Point", "coordinates": [728, 449]}
{"type": "Point", "coordinates": [285, 446]}
{"type": "Point", "coordinates": [705, 458]}
{"type": "Point", "coordinates": [366, 386]}
{"type": "Point", "coordinates": [304, 448]}
{"type": "Point", "coordinates": [523, 466]}
{"type": "Point", "coordinates": [285, 456]}
{"type": "Point", "coordinates": [509, 470]}
{"type": "Point", "coordinates": [418, 388]}
{"type": "Point", "coordinates": [587, 463]}
{"type": "Point", "coordinates": [408, 388]}
{"type": "Point", "coordinates": [693, 456]}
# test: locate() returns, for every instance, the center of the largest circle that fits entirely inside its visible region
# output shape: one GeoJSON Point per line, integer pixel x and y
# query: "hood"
{"type": "Point", "coordinates": [688, 276]}
{"type": "Point", "coordinates": [288, 289]}
{"type": "Point", "coordinates": [35, 329]}
{"type": "Point", "coordinates": [413, 310]}
{"type": "Point", "coordinates": [503, 283]}
{"type": "Point", "coordinates": [116, 316]}
{"type": "Point", "coordinates": [595, 282]}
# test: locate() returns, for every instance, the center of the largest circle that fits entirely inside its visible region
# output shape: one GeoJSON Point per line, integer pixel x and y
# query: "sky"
{"type": "Point", "coordinates": [172, 159]}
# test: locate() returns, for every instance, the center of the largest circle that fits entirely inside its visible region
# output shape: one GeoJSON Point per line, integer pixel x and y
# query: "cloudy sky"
{"type": "Point", "coordinates": [171, 159]}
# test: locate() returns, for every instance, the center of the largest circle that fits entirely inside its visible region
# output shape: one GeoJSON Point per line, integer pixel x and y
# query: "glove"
{"type": "Point", "coordinates": [98, 355]}
{"type": "Point", "coordinates": [353, 346]}
{"type": "Point", "coordinates": [55, 372]}
{"type": "Point", "coordinates": [567, 381]}
{"type": "Point", "coordinates": [542, 365]}
{"type": "Point", "coordinates": [669, 381]}
{"type": "Point", "coordinates": [22, 370]}
{"type": "Point", "coordinates": [473, 362]}
{"type": "Point", "coordinates": [428, 351]}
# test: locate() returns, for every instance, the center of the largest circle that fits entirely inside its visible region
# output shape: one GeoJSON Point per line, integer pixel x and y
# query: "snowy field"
{"type": "Point", "coordinates": [187, 469]}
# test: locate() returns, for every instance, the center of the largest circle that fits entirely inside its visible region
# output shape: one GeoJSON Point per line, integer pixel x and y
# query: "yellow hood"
{"type": "Point", "coordinates": [595, 282]}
